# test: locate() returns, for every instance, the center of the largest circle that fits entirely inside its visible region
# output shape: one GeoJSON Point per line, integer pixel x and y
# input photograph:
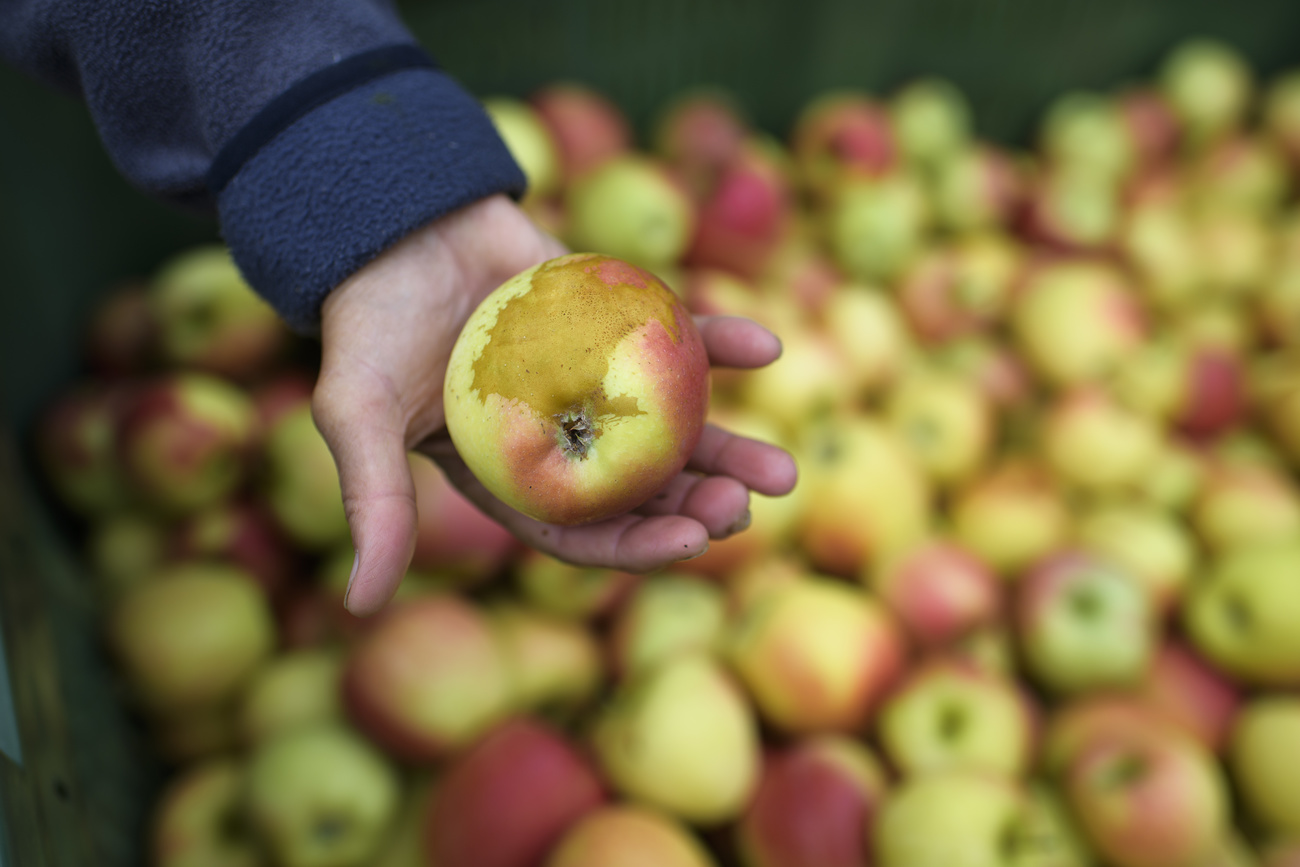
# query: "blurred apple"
{"type": "Point", "coordinates": [945, 422]}
{"type": "Point", "coordinates": [1106, 716]}
{"type": "Point", "coordinates": [1151, 124]}
{"type": "Point", "coordinates": [1146, 541]}
{"type": "Point", "coordinates": [631, 208]}
{"type": "Point", "coordinates": [1208, 85]}
{"type": "Point", "coordinates": [873, 341]}
{"type": "Point", "coordinates": [321, 796]}
{"type": "Point", "coordinates": [628, 836]}
{"type": "Point", "coordinates": [196, 820]}
{"type": "Point", "coordinates": [429, 677]}
{"type": "Point", "coordinates": [301, 482]}
{"type": "Point", "coordinates": [815, 806]}
{"type": "Point", "coordinates": [185, 737]}
{"type": "Point", "coordinates": [806, 382]}
{"type": "Point", "coordinates": [1243, 172]}
{"type": "Point", "coordinates": [743, 216]}
{"type": "Point", "coordinates": [293, 690]}
{"type": "Point", "coordinates": [452, 535]}
{"type": "Point", "coordinates": [1087, 130]}
{"type": "Point", "coordinates": [666, 615]}
{"type": "Point", "coordinates": [1262, 755]}
{"type": "Point", "coordinates": [961, 288]}
{"type": "Point", "coordinates": [243, 534]}
{"type": "Point", "coordinates": [875, 226]}
{"type": "Point", "coordinates": [840, 132]}
{"type": "Point", "coordinates": [1281, 113]}
{"type": "Point", "coordinates": [946, 819]}
{"type": "Point", "coordinates": [1094, 443]}
{"type": "Point", "coordinates": [931, 120]}
{"type": "Point", "coordinates": [999, 374]}
{"type": "Point", "coordinates": [1073, 208]}
{"type": "Point", "coordinates": [555, 664]}
{"type": "Point", "coordinates": [1245, 504]}
{"type": "Point", "coordinates": [587, 128]}
{"type": "Point", "coordinates": [977, 187]}
{"type": "Point", "coordinates": [680, 737]}
{"type": "Point", "coordinates": [564, 590]}
{"type": "Point", "coordinates": [1011, 517]}
{"type": "Point", "coordinates": [124, 549]}
{"type": "Point", "coordinates": [282, 392]}
{"type": "Point", "coordinates": [701, 132]}
{"type": "Point", "coordinates": [76, 443]}
{"type": "Point", "coordinates": [121, 336]}
{"type": "Point", "coordinates": [1158, 239]}
{"type": "Point", "coordinates": [1190, 693]}
{"type": "Point", "coordinates": [938, 590]}
{"type": "Point", "coordinates": [529, 141]}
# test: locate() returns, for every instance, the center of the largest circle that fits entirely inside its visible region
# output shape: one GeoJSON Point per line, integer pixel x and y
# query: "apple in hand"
{"type": "Point", "coordinates": [197, 819]}
{"type": "Point", "coordinates": [321, 796]}
{"type": "Point", "coordinates": [1262, 756]}
{"type": "Point", "coordinates": [577, 389]}
{"type": "Point", "coordinates": [628, 836]}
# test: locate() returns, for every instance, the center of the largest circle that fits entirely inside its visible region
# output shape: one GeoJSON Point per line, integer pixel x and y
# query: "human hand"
{"type": "Point", "coordinates": [386, 335]}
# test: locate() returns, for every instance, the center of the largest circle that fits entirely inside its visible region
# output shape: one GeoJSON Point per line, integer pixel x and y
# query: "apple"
{"type": "Point", "coordinates": [300, 484]}
{"type": "Point", "coordinates": [321, 796]}
{"type": "Point", "coordinates": [816, 655]}
{"type": "Point", "coordinates": [743, 217]}
{"type": "Point", "coordinates": [1245, 172]}
{"type": "Point", "coordinates": [189, 637]}
{"type": "Point", "coordinates": [990, 649]}
{"type": "Point", "coordinates": [1278, 304]}
{"type": "Point", "coordinates": [555, 665]}
{"type": "Point", "coordinates": [841, 132]}
{"type": "Point", "coordinates": [847, 525]}
{"type": "Point", "coordinates": [1282, 113]}
{"type": "Point", "coordinates": [1086, 130]}
{"type": "Point", "coordinates": [961, 288]}
{"type": "Point", "coordinates": [293, 690]}
{"type": "Point", "coordinates": [124, 549]}
{"type": "Point", "coordinates": [1145, 800]}
{"type": "Point", "coordinates": [1147, 541]}
{"type": "Point", "coordinates": [1174, 479]}
{"type": "Point", "coordinates": [1282, 853]}
{"type": "Point", "coordinates": [568, 591]}
{"type": "Point", "coordinates": [938, 590]}
{"type": "Point", "coordinates": [1236, 254]}
{"type": "Point", "coordinates": [530, 142]}
{"type": "Point", "coordinates": [1152, 127]}
{"type": "Point", "coordinates": [1208, 86]}
{"type": "Point", "coordinates": [1158, 240]}
{"type": "Point", "coordinates": [876, 226]}
{"type": "Point", "coordinates": [680, 737]}
{"type": "Point", "coordinates": [945, 422]}
{"type": "Point", "coordinates": [1073, 209]}
{"type": "Point", "coordinates": [281, 393]}
{"type": "Point", "coordinates": [947, 716]}
{"type": "Point", "coordinates": [404, 843]}
{"type": "Point", "coordinates": [587, 128]}
{"type": "Point", "coordinates": [122, 334]}
{"type": "Point", "coordinates": [815, 806]}
{"type": "Point", "coordinates": [977, 187]}
{"type": "Point", "coordinates": [1095, 444]}
{"type": "Point", "coordinates": [557, 361]}
{"type": "Point", "coordinates": [197, 819]}
{"type": "Point", "coordinates": [1245, 504]}
{"type": "Point", "coordinates": [186, 737]}
{"type": "Point", "coordinates": [1101, 717]}
{"type": "Point", "coordinates": [873, 341]}
{"type": "Point", "coordinates": [1011, 517]}
{"type": "Point", "coordinates": [666, 615]}
{"type": "Point", "coordinates": [931, 119]}
{"type": "Point", "coordinates": [453, 536]}
{"type": "Point", "coordinates": [950, 818]}
{"type": "Point", "coordinates": [800, 268]}
{"type": "Point", "coordinates": [1241, 616]}
{"type": "Point", "coordinates": [509, 799]}
{"type": "Point", "coordinates": [210, 319]}
{"type": "Point", "coordinates": [999, 374]}
{"type": "Point", "coordinates": [628, 836]}
{"type": "Point", "coordinates": [807, 381]}
{"type": "Point", "coordinates": [1190, 693]}
{"type": "Point", "coordinates": [76, 444]}
{"type": "Point", "coordinates": [243, 534]}
{"type": "Point", "coordinates": [630, 207]}
{"type": "Point", "coordinates": [701, 133]}
{"type": "Point", "coordinates": [1084, 623]}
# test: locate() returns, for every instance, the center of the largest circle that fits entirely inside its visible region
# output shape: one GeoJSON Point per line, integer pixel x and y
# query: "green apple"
{"type": "Point", "coordinates": [294, 689]}
{"type": "Point", "coordinates": [1147, 541]}
{"type": "Point", "coordinates": [875, 226]}
{"type": "Point", "coordinates": [529, 141]}
{"type": "Point", "coordinates": [946, 423]}
{"type": "Point", "coordinates": [1208, 84]}
{"type": "Point", "coordinates": [555, 664]}
{"type": "Point", "coordinates": [197, 820]}
{"type": "Point", "coordinates": [948, 819]}
{"type": "Point", "coordinates": [301, 484]}
{"type": "Point", "coordinates": [631, 208]}
{"type": "Point", "coordinates": [931, 120]}
{"type": "Point", "coordinates": [1011, 517]}
{"type": "Point", "coordinates": [1263, 753]}
{"type": "Point", "coordinates": [667, 615]}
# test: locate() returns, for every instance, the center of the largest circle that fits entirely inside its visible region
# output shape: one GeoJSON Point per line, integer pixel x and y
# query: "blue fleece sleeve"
{"type": "Point", "coordinates": [322, 186]}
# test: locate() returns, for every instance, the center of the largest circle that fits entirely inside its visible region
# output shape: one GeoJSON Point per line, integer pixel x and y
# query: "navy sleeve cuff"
{"type": "Point", "coordinates": [352, 176]}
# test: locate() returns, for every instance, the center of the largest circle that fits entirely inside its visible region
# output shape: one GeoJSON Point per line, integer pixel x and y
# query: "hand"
{"type": "Point", "coordinates": [386, 335]}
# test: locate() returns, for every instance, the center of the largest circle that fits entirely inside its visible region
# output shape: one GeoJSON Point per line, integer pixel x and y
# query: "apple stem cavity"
{"type": "Point", "coordinates": [576, 432]}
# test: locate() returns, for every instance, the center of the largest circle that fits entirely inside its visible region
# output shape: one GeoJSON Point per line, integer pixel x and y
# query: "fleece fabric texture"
{"type": "Point", "coordinates": [169, 83]}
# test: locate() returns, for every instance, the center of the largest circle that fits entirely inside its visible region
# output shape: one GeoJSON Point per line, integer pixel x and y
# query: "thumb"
{"type": "Point", "coordinates": [364, 430]}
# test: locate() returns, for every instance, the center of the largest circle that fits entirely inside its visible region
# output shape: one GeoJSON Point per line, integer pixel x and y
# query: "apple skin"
{"type": "Point", "coordinates": [588, 129]}
{"type": "Point", "coordinates": [947, 716]}
{"type": "Point", "coordinates": [960, 289]}
{"type": "Point", "coordinates": [124, 549]}
{"type": "Point", "coordinates": [1151, 124]}
{"type": "Point", "coordinates": [666, 615]}
{"type": "Point", "coordinates": [293, 690]}
{"type": "Point", "coordinates": [76, 440]}
{"type": "Point", "coordinates": [1095, 444]}
{"type": "Point", "coordinates": [868, 329]}
{"type": "Point", "coordinates": [1086, 130]}
{"type": "Point", "coordinates": [1283, 853]}
{"type": "Point", "coordinates": [529, 141]}
{"type": "Point", "coordinates": [429, 677]}
{"type": "Point", "coordinates": [1241, 616]}
{"type": "Point", "coordinates": [816, 654]}
{"type": "Point", "coordinates": [321, 796]}
{"type": "Point", "coordinates": [1192, 694]}
{"type": "Point", "coordinates": [453, 537]}
{"type": "Point", "coordinates": [1282, 114]}
{"type": "Point", "coordinates": [300, 484]}
{"type": "Point", "coordinates": [876, 226]}
{"type": "Point", "coordinates": [681, 737]}
{"type": "Point", "coordinates": [193, 817]}
{"type": "Point", "coordinates": [743, 218]}
{"type": "Point", "coordinates": [577, 389]}
{"type": "Point", "coordinates": [508, 799]}
{"type": "Point", "coordinates": [839, 132]}
{"type": "Point", "coordinates": [1078, 724]}
{"type": "Point", "coordinates": [1244, 504]}
{"type": "Point", "coordinates": [939, 591]}
{"type": "Point", "coordinates": [978, 187]}
{"type": "Point", "coordinates": [946, 819]}
{"type": "Point", "coordinates": [1208, 86]}
{"type": "Point", "coordinates": [568, 591]}
{"type": "Point", "coordinates": [556, 665]}
{"type": "Point", "coordinates": [633, 208]}
{"type": "Point", "coordinates": [701, 133]}
{"type": "Point", "coordinates": [945, 422]}
{"type": "Point", "coordinates": [814, 806]}
{"type": "Point", "coordinates": [1262, 756]}
{"type": "Point", "coordinates": [628, 836]}
{"type": "Point", "coordinates": [1148, 541]}
{"type": "Point", "coordinates": [931, 119]}
{"type": "Point", "coordinates": [190, 636]}
{"type": "Point", "coordinates": [243, 534]}
{"type": "Point", "coordinates": [1011, 517]}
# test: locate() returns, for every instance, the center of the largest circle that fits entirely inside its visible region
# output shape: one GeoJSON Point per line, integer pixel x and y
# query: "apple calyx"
{"type": "Point", "coordinates": [577, 431]}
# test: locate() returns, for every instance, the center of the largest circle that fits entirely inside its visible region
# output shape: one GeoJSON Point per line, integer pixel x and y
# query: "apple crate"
{"type": "Point", "coordinates": [76, 774]}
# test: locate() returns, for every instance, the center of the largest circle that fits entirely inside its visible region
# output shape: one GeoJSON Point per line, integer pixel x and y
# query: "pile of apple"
{"type": "Point", "coordinates": [1035, 601]}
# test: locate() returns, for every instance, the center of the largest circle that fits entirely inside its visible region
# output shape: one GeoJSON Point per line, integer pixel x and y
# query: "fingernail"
{"type": "Point", "coordinates": [741, 523]}
{"type": "Point", "coordinates": [356, 561]}
{"type": "Point", "coordinates": [693, 556]}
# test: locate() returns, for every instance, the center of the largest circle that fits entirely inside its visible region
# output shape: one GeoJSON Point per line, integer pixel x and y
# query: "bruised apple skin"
{"type": "Point", "coordinates": [577, 389]}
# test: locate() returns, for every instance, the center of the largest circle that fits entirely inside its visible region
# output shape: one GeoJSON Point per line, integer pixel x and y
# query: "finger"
{"type": "Point", "coordinates": [719, 503]}
{"type": "Point", "coordinates": [759, 466]}
{"type": "Point", "coordinates": [363, 426]}
{"type": "Point", "coordinates": [733, 341]}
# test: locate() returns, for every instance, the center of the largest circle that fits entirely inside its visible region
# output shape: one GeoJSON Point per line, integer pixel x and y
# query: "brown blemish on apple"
{"type": "Point", "coordinates": [557, 372]}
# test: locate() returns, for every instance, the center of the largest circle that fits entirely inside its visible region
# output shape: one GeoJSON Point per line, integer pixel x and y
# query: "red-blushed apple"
{"type": "Point", "coordinates": [945, 422]}
{"type": "Point", "coordinates": [573, 592]}
{"type": "Point", "coordinates": [1242, 171]}
{"type": "Point", "coordinates": [1011, 517]}
{"type": "Point", "coordinates": [628, 836]}
{"type": "Point", "coordinates": [700, 133]}
{"type": "Point", "coordinates": [814, 807]}
{"type": "Point", "coordinates": [1281, 114]}
{"type": "Point", "coordinates": [631, 207]}
{"type": "Point", "coordinates": [124, 549]}
{"type": "Point", "coordinates": [588, 128]}
{"type": "Point", "coordinates": [453, 536]}
{"type": "Point", "coordinates": [875, 226]}
{"type": "Point", "coordinates": [839, 132]}
{"type": "Point", "coordinates": [816, 654]}
{"type": "Point", "coordinates": [948, 716]}
{"type": "Point", "coordinates": [977, 187]}
{"type": "Point", "coordinates": [555, 665]}
{"type": "Point", "coordinates": [947, 819]}
{"type": "Point", "coordinates": [1086, 130]}
{"type": "Point", "coordinates": [874, 342]}
{"type": "Point", "coordinates": [293, 690]}
{"type": "Point", "coordinates": [1190, 693]}
{"type": "Point", "coordinates": [1245, 504]}
{"type": "Point", "coordinates": [806, 382]}
{"type": "Point", "coordinates": [961, 288]}
{"type": "Point", "coordinates": [1078, 724]}
{"type": "Point", "coordinates": [121, 336]}
{"type": "Point", "coordinates": [507, 800]}
{"type": "Point", "coordinates": [321, 796]}
{"type": "Point", "coordinates": [76, 444]}
{"type": "Point", "coordinates": [681, 737]}
{"type": "Point", "coordinates": [243, 534]}
{"type": "Point", "coordinates": [938, 590]}
{"type": "Point", "coordinates": [1236, 254]}
{"type": "Point", "coordinates": [1095, 444]}
{"type": "Point", "coordinates": [209, 319]}
{"type": "Point", "coordinates": [529, 141]}
{"type": "Point", "coordinates": [992, 367]}
{"type": "Point", "coordinates": [300, 483]}
{"type": "Point", "coordinates": [847, 524]}
{"type": "Point", "coordinates": [577, 389]}
{"type": "Point", "coordinates": [1262, 755]}
{"type": "Point", "coordinates": [1208, 86]}
{"type": "Point", "coordinates": [197, 819]}
{"type": "Point", "coordinates": [428, 678]}
{"type": "Point", "coordinates": [1241, 615]}
{"type": "Point", "coordinates": [1072, 209]}
{"type": "Point", "coordinates": [754, 580]}
{"type": "Point", "coordinates": [1148, 541]}
{"type": "Point", "coordinates": [931, 119]}
{"type": "Point", "coordinates": [1150, 123]}
{"type": "Point", "coordinates": [664, 616]}
{"type": "Point", "coordinates": [189, 637]}
{"type": "Point", "coordinates": [743, 217]}
{"type": "Point", "coordinates": [1084, 623]}
{"type": "Point", "coordinates": [800, 267]}
{"type": "Point", "coordinates": [1143, 799]}
{"type": "Point", "coordinates": [185, 440]}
